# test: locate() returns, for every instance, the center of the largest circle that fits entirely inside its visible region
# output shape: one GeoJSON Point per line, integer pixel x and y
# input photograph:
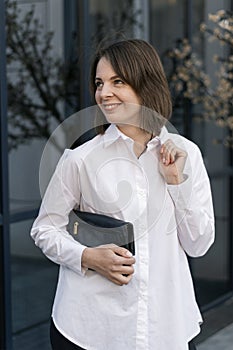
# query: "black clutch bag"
{"type": "Point", "coordinates": [93, 230]}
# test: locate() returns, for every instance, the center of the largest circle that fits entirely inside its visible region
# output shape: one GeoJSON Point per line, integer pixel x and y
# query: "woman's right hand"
{"type": "Point", "coordinates": [111, 261]}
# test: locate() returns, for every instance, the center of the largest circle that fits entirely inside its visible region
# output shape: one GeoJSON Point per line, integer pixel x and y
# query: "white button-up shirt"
{"type": "Point", "coordinates": [157, 310]}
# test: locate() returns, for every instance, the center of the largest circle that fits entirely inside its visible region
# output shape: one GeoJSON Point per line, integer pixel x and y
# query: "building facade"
{"type": "Point", "coordinates": [27, 278]}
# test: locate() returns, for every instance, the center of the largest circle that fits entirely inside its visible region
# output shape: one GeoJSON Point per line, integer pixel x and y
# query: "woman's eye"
{"type": "Point", "coordinates": [98, 84]}
{"type": "Point", "coordinates": [118, 81]}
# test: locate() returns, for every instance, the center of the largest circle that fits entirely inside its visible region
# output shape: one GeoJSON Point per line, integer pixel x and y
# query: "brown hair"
{"type": "Point", "coordinates": [137, 63]}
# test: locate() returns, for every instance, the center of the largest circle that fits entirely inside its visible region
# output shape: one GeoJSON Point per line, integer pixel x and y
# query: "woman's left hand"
{"type": "Point", "coordinates": [172, 162]}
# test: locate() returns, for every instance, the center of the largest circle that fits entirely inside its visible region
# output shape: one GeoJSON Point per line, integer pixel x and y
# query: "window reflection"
{"type": "Point", "coordinates": [33, 287]}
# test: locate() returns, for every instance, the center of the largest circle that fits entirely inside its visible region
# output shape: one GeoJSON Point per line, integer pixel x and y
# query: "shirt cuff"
{"type": "Point", "coordinates": [181, 193]}
{"type": "Point", "coordinates": [81, 269]}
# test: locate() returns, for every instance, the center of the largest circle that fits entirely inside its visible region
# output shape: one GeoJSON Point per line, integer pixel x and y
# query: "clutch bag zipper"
{"type": "Point", "coordinates": [75, 229]}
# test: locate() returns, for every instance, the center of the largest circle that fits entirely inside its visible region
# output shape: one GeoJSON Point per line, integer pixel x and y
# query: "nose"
{"type": "Point", "coordinates": [106, 91]}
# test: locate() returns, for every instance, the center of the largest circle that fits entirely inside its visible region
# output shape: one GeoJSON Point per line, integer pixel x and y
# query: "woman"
{"type": "Point", "coordinates": [139, 172]}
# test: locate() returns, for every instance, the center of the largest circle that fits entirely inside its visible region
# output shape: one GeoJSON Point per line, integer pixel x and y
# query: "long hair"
{"type": "Point", "coordinates": [138, 64]}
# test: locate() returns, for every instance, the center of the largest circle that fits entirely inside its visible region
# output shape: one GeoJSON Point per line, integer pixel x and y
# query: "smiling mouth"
{"type": "Point", "coordinates": [110, 106]}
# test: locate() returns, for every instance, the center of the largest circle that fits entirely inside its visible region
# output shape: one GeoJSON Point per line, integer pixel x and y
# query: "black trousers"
{"type": "Point", "coordinates": [59, 342]}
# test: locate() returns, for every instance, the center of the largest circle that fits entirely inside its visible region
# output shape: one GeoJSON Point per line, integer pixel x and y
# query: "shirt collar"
{"type": "Point", "coordinates": [112, 134]}
{"type": "Point", "coordinates": [161, 138]}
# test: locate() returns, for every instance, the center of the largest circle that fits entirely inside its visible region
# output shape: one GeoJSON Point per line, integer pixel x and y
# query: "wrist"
{"type": "Point", "coordinates": [86, 258]}
{"type": "Point", "coordinates": [175, 179]}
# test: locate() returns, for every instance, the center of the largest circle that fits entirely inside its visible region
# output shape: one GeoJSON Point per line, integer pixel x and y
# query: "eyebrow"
{"type": "Point", "coordinates": [112, 78]}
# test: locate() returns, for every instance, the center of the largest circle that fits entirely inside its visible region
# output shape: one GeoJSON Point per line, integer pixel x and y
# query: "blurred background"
{"type": "Point", "coordinates": [45, 52]}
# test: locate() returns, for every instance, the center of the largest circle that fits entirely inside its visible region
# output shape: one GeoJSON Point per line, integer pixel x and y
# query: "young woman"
{"type": "Point", "coordinates": [137, 171]}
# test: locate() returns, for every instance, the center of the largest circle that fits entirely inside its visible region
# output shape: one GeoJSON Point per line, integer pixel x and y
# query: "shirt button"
{"type": "Point", "coordinates": [142, 227]}
{"type": "Point", "coordinates": [141, 192]}
{"type": "Point", "coordinates": [143, 297]}
{"type": "Point", "coordinates": [144, 261]}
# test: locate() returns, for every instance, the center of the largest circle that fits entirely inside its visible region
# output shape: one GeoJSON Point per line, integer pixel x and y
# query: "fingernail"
{"type": "Point", "coordinates": [128, 253]}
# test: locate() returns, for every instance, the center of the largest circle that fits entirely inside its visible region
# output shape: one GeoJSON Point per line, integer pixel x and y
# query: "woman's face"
{"type": "Point", "coordinates": [117, 100]}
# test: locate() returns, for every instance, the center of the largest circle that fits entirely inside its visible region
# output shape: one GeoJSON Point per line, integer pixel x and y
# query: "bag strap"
{"type": "Point", "coordinates": [88, 135]}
